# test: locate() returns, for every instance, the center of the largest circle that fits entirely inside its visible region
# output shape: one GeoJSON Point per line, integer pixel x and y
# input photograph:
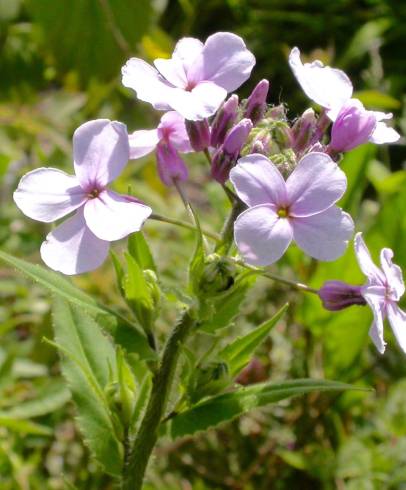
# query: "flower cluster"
{"type": "Point", "coordinates": [285, 174]}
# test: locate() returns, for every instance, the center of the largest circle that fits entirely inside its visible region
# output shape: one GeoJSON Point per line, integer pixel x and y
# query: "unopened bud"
{"type": "Point", "coordinates": [353, 127]}
{"type": "Point", "coordinates": [303, 131]}
{"type": "Point", "coordinates": [256, 102]}
{"type": "Point", "coordinates": [337, 295]}
{"type": "Point", "coordinates": [227, 155]}
{"type": "Point", "coordinates": [217, 276]}
{"type": "Point", "coordinates": [199, 134]}
{"type": "Point", "coordinates": [225, 118]}
{"type": "Point", "coordinates": [171, 167]}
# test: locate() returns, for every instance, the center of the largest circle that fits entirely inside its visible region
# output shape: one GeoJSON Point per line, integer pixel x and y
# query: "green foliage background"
{"type": "Point", "coordinates": [60, 63]}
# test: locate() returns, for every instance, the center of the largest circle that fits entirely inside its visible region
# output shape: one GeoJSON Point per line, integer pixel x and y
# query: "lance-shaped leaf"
{"type": "Point", "coordinates": [88, 362]}
{"type": "Point", "coordinates": [238, 354]}
{"type": "Point", "coordinates": [124, 333]}
{"type": "Point", "coordinates": [139, 250]}
{"type": "Point", "coordinates": [227, 406]}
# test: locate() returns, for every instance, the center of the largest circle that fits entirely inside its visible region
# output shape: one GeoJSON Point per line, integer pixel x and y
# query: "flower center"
{"type": "Point", "coordinates": [283, 212]}
{"type": "Point", "coordinates": [94, 193]}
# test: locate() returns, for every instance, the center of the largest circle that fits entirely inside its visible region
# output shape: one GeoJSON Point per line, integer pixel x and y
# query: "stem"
{"type": "Point", "coordinates": [228, 230]}
{"type": "Point", "coordinates": [230, 194]}
{"type": "Point", "coordinates": [183, 224]}
{"type": "Point", "coordinates": [134, 469]}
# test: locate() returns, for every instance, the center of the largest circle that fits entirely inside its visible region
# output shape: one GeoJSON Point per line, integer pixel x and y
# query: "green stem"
{"type": "Point", "coordinates": [135, 467]}
{"type": "Point", "coordinates": [183, 224]}
{"type": "Point", "coordinates": [227, 234]}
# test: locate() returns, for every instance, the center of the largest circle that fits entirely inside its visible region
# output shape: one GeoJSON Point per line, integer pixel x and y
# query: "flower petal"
{"type": "Point", "coordinates": [375, 298]}
{"type": "Point", "coordinates": [316, 183]}
{"type": "Point", "coordinates": [393, 273]}
{"type": "Point", "coordinates": [261, 236]}
{"type": "Point", "coordinates": [172, 127]}
{"type": "Point", "coordinates": [257, 181]}
{"type": "Point", "coordinates": [382, 133]}
{"type": "Point", "coordinates": [323, 236]}
{"type": "Point", "coordinates": [188, 51]}
{"type": "Point", "coordinates": [373, 273]}
{"type": "Point", "coordinates": [142, 142]}
{"type": "Point", "coordinates": [147, 83]}
{"type": "Point", "coordinates": [112, 216]}
{"type": "Point", "coordinates": [328, 87]}
{"type": "Point", "coordinates": [226, 61]}
{"type": "Point", "coordinates": [397, 320]}
{"type": "Point", "coordinates": [72, 248]}
{"type": "Point", "coordinates": [173, 71]}
{"type": "Point", "coordinates": [47, 194]}
{"type": "Point", "coordinates": [200, 103]}
{"type": "Point", "coordinates": [100, 151]}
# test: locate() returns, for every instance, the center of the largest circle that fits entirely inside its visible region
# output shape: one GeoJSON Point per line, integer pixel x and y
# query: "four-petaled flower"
{"type": "Point", "coordinates": [301, 209]}
{"type": "Point", "coordinates": [81, 243]}
{"type": "Point", "coordinates": [332, 89]}
{"type": "Point", "coordinates": [196, 80]}
{"type": "Point", "coordinates": [383, 290]}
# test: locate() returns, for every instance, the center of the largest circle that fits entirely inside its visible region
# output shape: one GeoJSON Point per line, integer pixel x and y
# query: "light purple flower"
{"type": "Point", "coordinates": [169, 138]}
{"type": "Point", "coordinates": [383, 290]}
{"type": "Point", "coordinates": [301, 209]}
{"type": "Point", "coordinates": [332, 89]}
{"type": "Point", "coordinates": [196, 80]}
{"type": "Point", "coordinates": [81, 243]}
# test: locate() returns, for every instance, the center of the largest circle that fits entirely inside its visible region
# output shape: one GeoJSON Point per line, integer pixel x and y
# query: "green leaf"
{"type": "Point", "coordinates": [226, 306]}
{"type": "Point", "coordinates": [107, 32]}
{"type": "Point", "coordinates": [238, 354]}
{"type": "Point", "coordinates": [124, 333]}
{"type": "Point", "coordinates": [139, 250]}
{"type": "Point", "coordinates": [227, 406]}
{"type": "Point", "coordinates": [25, 426]}
{"type": "Point", "coordinates": [50, 398]}
{"type": "Point", "coordinates": [88, 362]}
{"type": "Point", "coordinates": [373, 99]}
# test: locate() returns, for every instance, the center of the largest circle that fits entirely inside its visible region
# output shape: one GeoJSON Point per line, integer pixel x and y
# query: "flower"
{"type": "Point", "coordinates": [332, 89]}
{"type": "Point", "coordinates": [196, 80]}
{"type": "Point", "coordinates": [337, 295]}
{"type": "Point", "coordinates": [301, 209]}
{"type": "Point", "coordinates": [382, 291]}
{"type": "Point", "coordinates": [81, 243]}
{"type": "Point", "coordinates": [224, 120]}
{"type": "Point", "coordinates": [169, 138]}
{"type": "Point", "coordinates": [256, 105]}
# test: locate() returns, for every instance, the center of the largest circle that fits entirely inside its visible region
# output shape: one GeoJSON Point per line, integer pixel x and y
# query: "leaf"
{"type": "Point", "coordinates": [107, 32]}
{"type": "Point", "coordinates": [52, 397]}
{"type": "Point", "coordinates": [25, 426]}
{"type": "Point", "coordinates": [227, 305]}
{"type": "Point", "coordinates": [139, 250]}
{"type": "Point", "coordinates": [87, 360]}
{"type": "Point", "coordinates": [373, 99]}
{"type": "Point", "coordinates": [126, 334]}
{"type": "Point", "coordinates": [227, 406]}
{"type": "Point", "coordinates": [238, 354]}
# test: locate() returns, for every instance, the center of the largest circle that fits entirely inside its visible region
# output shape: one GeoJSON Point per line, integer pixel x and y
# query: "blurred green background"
{"type": "Point", "coordinates": [60, 66]}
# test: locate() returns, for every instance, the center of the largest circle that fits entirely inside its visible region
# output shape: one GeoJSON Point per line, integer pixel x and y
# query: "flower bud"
{"type": "Point", "coordinates": [199, 134]}
{"type": "Point", "coordinates": [303, 131]}
{"type": "Point", "coordinates": [170, 165]}
{"type": "Point", "coordinates": [262, 143]}
{"type": "Point", "coordinates": [353, 127]}
{"type": "Point", "coordinates": [217, 276]}
{"type": "Point", "coordinates": [256, 102]}
{"type": "Point", "coordinates": [226, 156]}
{"type": "Point", "coordinates": [337, 295]}
{"type": "Point", "coordinates": [223, 121]}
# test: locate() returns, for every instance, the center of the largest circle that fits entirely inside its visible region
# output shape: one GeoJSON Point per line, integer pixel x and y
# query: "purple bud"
{"type": "Point", "coordinates": [170, 166]}
{"type": "Point", "coordinates": [256, 103]}
{"type": "Point", "coordinates": [225, 118]}
{"type": "Point", "coordinates": [337, 295]}
{"type": "Point", "coordinates": [262, 143]}
{"type": "Point", "coordinates": [353, 126]}
{"type": "Point", "coordinates": [226, 156]}
{"type": "Point", "coordinates": [303, 131]}
{"type": "Point", "coordinates": [199, 134]}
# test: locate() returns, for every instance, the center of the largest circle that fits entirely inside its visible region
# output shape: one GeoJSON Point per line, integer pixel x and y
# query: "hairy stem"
{"type": "Point", "coordinates": [145, 440]}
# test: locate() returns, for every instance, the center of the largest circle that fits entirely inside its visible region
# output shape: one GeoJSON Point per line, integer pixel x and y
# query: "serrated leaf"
{"type": "Point", "coordinates": [87, 361]}
{"type": "Point", "coordinates": [140, 251]}
{"type": "Point", "coordinates": [50, 398]}
{"type": "Point", "coordinates": [226, 306]}
{"type": "Point", "coordinates": [238, 354]}
{"type": "Point", "coordinates": [227, 406]}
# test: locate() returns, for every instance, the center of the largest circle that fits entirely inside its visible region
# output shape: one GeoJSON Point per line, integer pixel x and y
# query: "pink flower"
{"type": "Point", "coordinates": [332, 89]}
{"type": "Point", "coordinates": [169, 138]}
{"type": "Point", "coordinates": [301, 209]}
{"type": "Point", "coordinates": [81, 243]}
{"type": "Point", "coordinates": [196, 80]}
{"type": "Point", "coordinates": [383, 290]}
